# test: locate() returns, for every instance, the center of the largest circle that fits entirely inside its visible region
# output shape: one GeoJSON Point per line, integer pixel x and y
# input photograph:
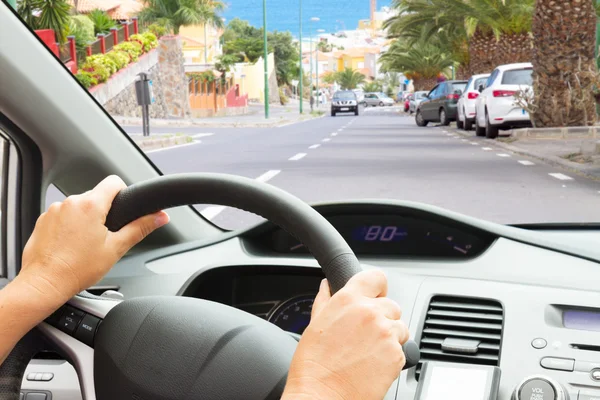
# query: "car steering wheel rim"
{"type": "Point", "coordinates": [167, 324]}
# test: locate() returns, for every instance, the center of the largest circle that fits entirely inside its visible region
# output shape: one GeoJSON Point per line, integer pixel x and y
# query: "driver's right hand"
{"type": "Point", "coordinates": [352, 348]}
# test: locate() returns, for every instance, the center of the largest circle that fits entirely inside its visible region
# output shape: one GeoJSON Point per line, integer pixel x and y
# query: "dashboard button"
{"type": "Point", "coordinates": [595, 374]}
{"type": "Point", "coordinates": [38, 376]}
{"type": "Point", "coordinates": [35, 396]}
{"type": "Point", "coordinates": [47, 376]}
{"type": "Point", "coordinates": [560, 364]}
{"type": "Point", "coordinates": [31, 376]}
{"type": "Point", "coordinates": [70, 319]}
{"type": "Point", "coordinates": [539, 343]}
{"type": "Point", "coordinates": [86, 330]}
{"type": "Point", "coordinates": [538, 389]}
{"type": "Point", "coordinates": [587, 395]}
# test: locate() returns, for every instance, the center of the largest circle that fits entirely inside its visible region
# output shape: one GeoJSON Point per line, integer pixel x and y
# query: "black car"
{"type": "Point", "coordinates": [440, 103]}
{"type": "Point", "coordinates": [344, 101]}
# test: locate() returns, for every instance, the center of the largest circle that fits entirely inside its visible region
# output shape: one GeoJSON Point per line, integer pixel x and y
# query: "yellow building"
{"type": "Point", "coordinates": [194, 43]}
{"type": "Point", "coordinates": [353, 58]}
{"type": "Point", "coordinates": [251, 77]}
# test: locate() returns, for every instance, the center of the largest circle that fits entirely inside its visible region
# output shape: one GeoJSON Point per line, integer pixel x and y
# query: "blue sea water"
{"type": "Point", "coordinates": [283, 15]}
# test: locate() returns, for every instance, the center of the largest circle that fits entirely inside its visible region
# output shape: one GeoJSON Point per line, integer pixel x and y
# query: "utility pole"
{"type": "Point", "coordinates": [310, 83]}
{"type": "Point", "coordinates": [300, 82]}
{"type": "Point", "coordinates": [266, 56]}
{"type": "Point", "coordinates": [317, 66]}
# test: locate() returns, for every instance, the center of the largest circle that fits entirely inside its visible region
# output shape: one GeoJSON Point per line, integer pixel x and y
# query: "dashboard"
{"type": "Point", "coordinates": [520, 300]}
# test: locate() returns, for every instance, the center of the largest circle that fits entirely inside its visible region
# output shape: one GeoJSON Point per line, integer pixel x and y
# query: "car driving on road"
{"type": "Point", "coordinates": [440, 103]}
{"type": "Point", "coordinates": [466, 103]}
{"type": "Point", "coordinates": [377, 99]}
{"type": "Point", "coordinates": [495, 106]}
{"type": "Point", "coordinates": [344, 101]}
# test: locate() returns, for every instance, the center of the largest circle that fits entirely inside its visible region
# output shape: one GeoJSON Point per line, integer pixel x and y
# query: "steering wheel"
{"type": "Point", "coordinates": [176, 348]}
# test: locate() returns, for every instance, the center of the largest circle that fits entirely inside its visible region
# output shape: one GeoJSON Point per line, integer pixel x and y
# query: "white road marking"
{"type": "Point", "coordinates": [174, 147]}
{"type": "Point", "coordinates": [199, 135]}
{"type": "Point", "coordinates": [464, 140]}
{"type": "Point", "coordinates": [267, 176]}
{"type": "Point", "coordinates": [475, 143]}
{"type": "Point", "coordinates": [525, 162]}
{"type": "Point", "coordinates": [341, 129]}
{"type": "Point", "coordinates": [210, 212]}
{"type": "Point", "coordinates": [449, 134]}
{"type": "Point", "coordinates": [314, 146]}
{"type": "Point", "coordinates": [297, 157]}
{"type": "Point", "coordinates": [445, 131]}
{"type": "Point", "coordinates": [455, 137]}
{"type": "Point", "coordinates": [326, 140]}
{"type": "Point", "coordinates": [503, 155]}
{"type": "Point", "coordinates": [334, 134]}
{"type": "Point", "coordinates": [561, 177]}
{"type": "Point", "coordinates": [486, 148]}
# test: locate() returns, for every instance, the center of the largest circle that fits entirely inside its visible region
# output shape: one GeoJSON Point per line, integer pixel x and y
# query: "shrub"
{"type": "Point", "coordinates": [101, 20]}
{"type": "Point", "coordinates": [105, 61]}
{"type": "Point", "coordinates": [282, 97]}
{"type": "Point", "coordinates": [120, 58]}
{"type": "Point", "coordinates": [86, 79]}
{"type": "Point", "coordinates": [157, 30]}
{"type": "Point", "coordinates": [133, 49]}
{"type": "Point", "coordinates": [96, 70]}
{"type": "Point", "coordinates": [151, 37]}
{"type": "Point", "coordinates": [145, 41]}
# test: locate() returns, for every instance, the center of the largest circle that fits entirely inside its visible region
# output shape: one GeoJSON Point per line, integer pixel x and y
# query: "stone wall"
{"type": "Point", "coordinates": [169, 85]}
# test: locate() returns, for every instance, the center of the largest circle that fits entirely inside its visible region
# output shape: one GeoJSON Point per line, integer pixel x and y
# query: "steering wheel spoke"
{"type": "Point", "coordinates": [71, 330]}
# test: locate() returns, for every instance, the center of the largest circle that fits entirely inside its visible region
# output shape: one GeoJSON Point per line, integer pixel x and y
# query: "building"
{"type": "Point", "coordinates": [320, 62]}
{"type": "Point", "coordinates": [119, 10]}
{"type": "Point", "coordinates": [201, 47]}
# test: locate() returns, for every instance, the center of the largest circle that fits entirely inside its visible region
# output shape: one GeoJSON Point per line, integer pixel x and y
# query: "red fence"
{"type": "Point", "coordinates": [103, 44]}
{"type": "Point", "coordinates": [234, 99]}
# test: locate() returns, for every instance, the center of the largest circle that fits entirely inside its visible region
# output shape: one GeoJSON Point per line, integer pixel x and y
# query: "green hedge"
{"type": "Point", "coordinates": [99, 67]}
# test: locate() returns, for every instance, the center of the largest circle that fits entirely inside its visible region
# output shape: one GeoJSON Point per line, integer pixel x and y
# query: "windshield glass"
{"type": "Point", "coordinates": [518, 77]}
{"type": "Point", "coordinates": [344, 96]}
{"type": "Point", "coordinates": [218, 99]}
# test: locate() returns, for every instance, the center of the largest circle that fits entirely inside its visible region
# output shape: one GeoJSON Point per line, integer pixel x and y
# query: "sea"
{"type": "Point", "coordinates": [283, 15]}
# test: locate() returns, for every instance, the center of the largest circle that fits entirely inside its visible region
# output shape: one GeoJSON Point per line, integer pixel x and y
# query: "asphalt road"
{"type": "Point", "coordinates": [383, 154]}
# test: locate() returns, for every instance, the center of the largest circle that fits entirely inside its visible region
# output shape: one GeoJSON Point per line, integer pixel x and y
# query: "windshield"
{"type": "Point", "coordinates": [218, 100]}
{"type": "Point", "coordinates": [344, 96]}
{"type": "Point", "coordinates": [518, 77]}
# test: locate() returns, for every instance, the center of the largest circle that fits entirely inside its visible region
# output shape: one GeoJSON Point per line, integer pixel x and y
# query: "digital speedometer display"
{"type": "Point", "coordinates": [396, 235]}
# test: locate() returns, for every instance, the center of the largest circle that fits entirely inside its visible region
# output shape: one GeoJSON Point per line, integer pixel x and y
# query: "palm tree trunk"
{"type": "Point", "coordinates": [482, 49]}
{"type": "Point", "coordinates": [424, 83]}
{"type": "Point", "coordinates": [564, 66]}
{"type": "Point", "coordinates": [514, 49]}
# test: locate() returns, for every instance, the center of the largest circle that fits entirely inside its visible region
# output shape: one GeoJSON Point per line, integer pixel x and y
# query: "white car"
{"type": "Point", "coordinates": [466, 104]}
{"type": "Point", "coordinates": [495, 106]}
{"type": "Point", "coordinates": [416, 100]}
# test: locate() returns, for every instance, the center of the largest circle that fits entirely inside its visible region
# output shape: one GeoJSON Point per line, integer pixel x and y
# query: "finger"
{"type": "Point", "coordinates": [104, 193]}
{"type": "Point", "coordinates": [400, 331]}
{"type": "Point", "coordinates": [134, 232]}
{"type": "Point", "coordinates": [372, 283]}
{"type": "Point", "coordinates": [390, 308]}
{"type": "Point", "coordinates": [322, 298]}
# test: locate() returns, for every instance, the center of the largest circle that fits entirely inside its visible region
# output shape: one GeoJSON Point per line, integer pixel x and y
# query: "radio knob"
{"type": "Point", "coordinates": [539, 387]}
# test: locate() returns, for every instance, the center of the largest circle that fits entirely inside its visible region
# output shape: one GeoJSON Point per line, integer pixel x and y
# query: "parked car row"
{"type": "Point", "coordinates": [485, 101]}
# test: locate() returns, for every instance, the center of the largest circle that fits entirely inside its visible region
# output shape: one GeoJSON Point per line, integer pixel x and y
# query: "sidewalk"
{"type": "Point", "coordinates": [158, 141]}
{"type": "Point", "coordinates": [278, 116]}
{"type": "Point", "coordinates": [575, 154]}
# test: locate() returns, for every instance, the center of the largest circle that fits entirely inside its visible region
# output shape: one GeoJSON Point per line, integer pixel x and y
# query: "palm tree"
{"type": "Point", "coordinates": [349, 79]}
{"type": "Point", "coordinates": [480, 33]}
{"type": "Point", "coordinates": [564, 64]}
{"type": "Point", "coordinates": [423, 61]}
{"type": "Point", "coordinates": [54, 14]}
{"type": "Point", "coordinates": [174, 14]}
{"type": "Point", "coordinates": [372, 87]}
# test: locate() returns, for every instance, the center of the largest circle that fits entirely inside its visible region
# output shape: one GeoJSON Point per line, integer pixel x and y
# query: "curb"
{"type": "Point", "coordinates": [189, 123]}
{"type": "Point", "coordinates": [580, 169]}
{"type": "Point", "coordinates": [149, 144]}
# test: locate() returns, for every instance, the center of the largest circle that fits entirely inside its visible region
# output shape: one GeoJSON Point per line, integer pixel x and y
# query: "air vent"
{"type": "Point", "coordinates": [461, 330]}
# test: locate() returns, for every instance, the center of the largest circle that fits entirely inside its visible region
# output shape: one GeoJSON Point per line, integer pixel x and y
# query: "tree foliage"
{"type": "Point", "coordinates": [53, 14]}
{"type": "Point", "coordinates": [247, 44]}
{"type": "Point", "coordinates": [102, 21]}
{"type": "Point", "coordinates": [371, 87]}
{"type": "Point", "coordinates": [349, 79]}
{"type": "Point", "coordinates": [173, 14]}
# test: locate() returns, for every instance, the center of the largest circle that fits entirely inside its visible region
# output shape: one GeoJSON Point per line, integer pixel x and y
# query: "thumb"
{"type": "Point", "coordinates": [322, 298]}
{"type": "Point", "coordinates": [134, 232]}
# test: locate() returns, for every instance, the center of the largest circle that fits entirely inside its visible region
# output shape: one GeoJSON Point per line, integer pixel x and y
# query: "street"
{"type": "Point", "coordinates": [382, 154]}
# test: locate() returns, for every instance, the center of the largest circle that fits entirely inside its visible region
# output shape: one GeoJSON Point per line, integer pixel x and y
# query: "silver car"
{"type": "Point", "coordinates": [416, 100]}
{"type": "Point", "coordinates": [377, 99]}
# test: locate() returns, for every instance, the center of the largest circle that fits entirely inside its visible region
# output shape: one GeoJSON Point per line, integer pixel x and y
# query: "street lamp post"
{"type": "Point", "coordinates": [317, 68]}
{"type": "Point", "coordinates": [301, 72]}
{"type": "Point", "coordinates": [205, 43]}
{"type": "Point", "coordinates": [313, 19]}
{"type": "Point", "coordinates": [266, 55]}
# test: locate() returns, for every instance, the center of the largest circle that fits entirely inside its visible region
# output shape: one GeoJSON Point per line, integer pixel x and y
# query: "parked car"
{"type": "Point", "coordinates": [360, 95]}
{"type": "Point", "coordinates": [440, 104]}
{"type": "Point", "coordinates": [377, 99]}
{"type": "Point", "coordinates": [416, 100]}
{"type": "Point", "coordinates": [344, 101]}
{"type": "Point", "coordinates": [466, 103]}
{"type": "Point", "coordinates": [495, 106]}
{"type": "Point", "coordinates": [407, 102]}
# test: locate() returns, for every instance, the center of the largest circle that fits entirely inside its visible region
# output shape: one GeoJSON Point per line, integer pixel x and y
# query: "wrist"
{"type": "Point", "coordinates": [307, 388]}
{"type": "Point", "coordinates": [36, 284]}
